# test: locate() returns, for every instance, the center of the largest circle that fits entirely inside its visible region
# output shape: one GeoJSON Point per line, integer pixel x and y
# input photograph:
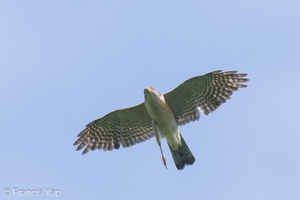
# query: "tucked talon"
{"type": "Point", "coordinates": [165, 162]}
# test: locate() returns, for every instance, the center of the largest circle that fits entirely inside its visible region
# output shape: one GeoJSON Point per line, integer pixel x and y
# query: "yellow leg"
{"type": "Point", "coordinates": [154, 126]}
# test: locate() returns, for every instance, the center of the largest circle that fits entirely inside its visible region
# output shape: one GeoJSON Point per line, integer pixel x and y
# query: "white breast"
{"type": "Point", "coordinates": [159, 111]}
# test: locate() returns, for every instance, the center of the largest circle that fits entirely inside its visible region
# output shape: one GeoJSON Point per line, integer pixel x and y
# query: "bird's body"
{"type": "Point", "coordinates": [165, 126]}
{"type": "Point", "coordinates": [160, 115]}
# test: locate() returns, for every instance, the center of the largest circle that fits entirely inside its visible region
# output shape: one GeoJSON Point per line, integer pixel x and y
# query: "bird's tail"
{"type": "Point", "coordinates": [183, 156]}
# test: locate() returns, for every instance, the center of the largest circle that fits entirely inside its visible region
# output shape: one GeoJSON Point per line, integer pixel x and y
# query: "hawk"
{"type": "Point", "coordinates": [160, 115]}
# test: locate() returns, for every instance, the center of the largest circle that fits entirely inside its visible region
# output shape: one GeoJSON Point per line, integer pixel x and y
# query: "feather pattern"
{"type": "Point", "coordinates": [205, 93]}
{"type": "Point", "coordinates": [124, 127]}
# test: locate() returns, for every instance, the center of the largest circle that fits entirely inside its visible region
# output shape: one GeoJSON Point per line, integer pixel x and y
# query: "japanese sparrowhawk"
{"type": "Point", "coordinates": [160, 116]}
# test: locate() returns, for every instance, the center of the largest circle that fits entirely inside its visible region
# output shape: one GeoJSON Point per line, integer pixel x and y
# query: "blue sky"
{"type": "Point", "coordinates": [66, 63]}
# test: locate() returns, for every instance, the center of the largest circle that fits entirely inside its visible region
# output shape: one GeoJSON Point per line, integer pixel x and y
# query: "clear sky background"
{"type": "Point", "coordinates": [66, 63]}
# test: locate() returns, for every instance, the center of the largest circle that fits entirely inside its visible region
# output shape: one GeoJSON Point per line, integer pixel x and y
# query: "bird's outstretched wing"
{"type": "Point", "coordinates": [124, 127]}
{"type": "Point", "coordinates": [205, 92]}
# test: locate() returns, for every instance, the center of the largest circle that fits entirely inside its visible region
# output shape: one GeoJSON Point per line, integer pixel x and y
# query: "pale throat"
{"type": "Point", "coordinates": [156, 106]}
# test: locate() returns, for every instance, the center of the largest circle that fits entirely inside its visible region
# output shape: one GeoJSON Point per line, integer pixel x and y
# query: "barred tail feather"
{"type": "Point", "coordinates": [183, 156]}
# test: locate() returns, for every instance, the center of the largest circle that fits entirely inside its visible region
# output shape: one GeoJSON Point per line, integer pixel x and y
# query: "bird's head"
{"type": "Point", "coordinates": [153, 96]}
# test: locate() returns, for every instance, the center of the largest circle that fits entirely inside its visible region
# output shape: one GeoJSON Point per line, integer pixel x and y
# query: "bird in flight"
{"type": "Point", "coordinates": [160, 115]}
